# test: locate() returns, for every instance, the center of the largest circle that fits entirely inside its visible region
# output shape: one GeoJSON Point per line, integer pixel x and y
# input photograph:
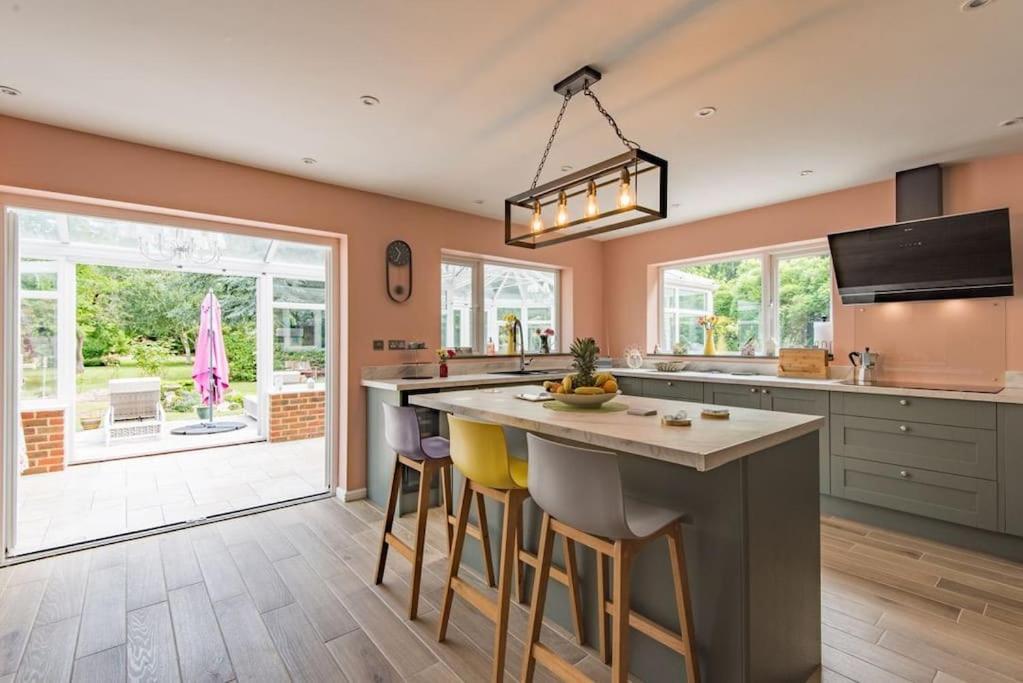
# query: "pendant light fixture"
{"type": "Point", "coordinates": [600, 198]}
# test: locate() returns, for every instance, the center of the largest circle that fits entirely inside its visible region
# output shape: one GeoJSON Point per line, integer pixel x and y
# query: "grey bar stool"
{"type": "Point", "coordinates": [427, 456]}
{"type": "Point", "coordinates": [581, 494]}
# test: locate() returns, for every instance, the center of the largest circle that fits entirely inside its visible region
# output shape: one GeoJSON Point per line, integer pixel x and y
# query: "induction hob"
{"type": "Point", "coordinates": [936, 386]}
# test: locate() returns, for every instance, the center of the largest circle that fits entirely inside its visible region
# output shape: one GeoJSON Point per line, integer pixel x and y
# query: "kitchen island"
{"type": "Point", "coordinates": [748, 487]}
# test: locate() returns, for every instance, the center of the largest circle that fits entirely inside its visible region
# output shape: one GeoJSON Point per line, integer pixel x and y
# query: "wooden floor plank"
{"type": "Point", "coordinates": [103, 614]}
{"type": "Point", "coordinates": [202, 655]}
{"type": "Point", "coordinates": [65, 590]}
{"type": "Point", "coordinates": [262, 580]}
{"type": "Point", "coordinates": [50, 653]}
{"type": "Point", "coordinates": [274, 543]}
{"type": "Point", "coordinates": [920, 651]}
{"type": "Point", "coordinates": [145, 578]}
{"type": "Point", "coordinates": [323, 561]}
{"type": "Point", "coordinates": [108, 666]}
{"type": "Point", "coordinates": [855, 668]}
{"type": "Point", "coordinates": [152, 654]}
{"type": "Point", "coordinates": [248, 642]}
{"type": "Point", "coordinates": [218, 568]}
{"type": "Point", "coordinates": [300, 646]}
{"type": "Point", "coordinates": [180, 567]}
{"type": "Point", "coordinates": [360, 659]}
{"type": "Point", "coordinates": [885, 659]}
{"type": "Point", "coordinates": [324, 611]}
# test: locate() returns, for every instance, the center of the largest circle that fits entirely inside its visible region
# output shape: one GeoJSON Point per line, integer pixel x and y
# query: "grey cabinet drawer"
{"type": "Point", "coordinates": [933, 410]}
{"type": "Point", "coordinates": [962, 500]}
{"type": "Point", "coordinates": [954, 450]}
{"type": "Point", "coordinates": [630, 386]}
{"type": "Point", "coordinates": [735, 395]}
{"type": "Point", "coordinates": [1010, 475]}
{"type": "Point", "coordinates": [673, 389]}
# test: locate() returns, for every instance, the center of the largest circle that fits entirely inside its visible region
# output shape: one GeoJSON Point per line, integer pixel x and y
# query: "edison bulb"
{"type": "Point", "coordinates": [592, 208]}
{"type": "Point", "coordinates": [537, 222]}
{"type": "Point", "coordinates": [625, 190]}
{"type": "Point", "coordinates": [562, 216]}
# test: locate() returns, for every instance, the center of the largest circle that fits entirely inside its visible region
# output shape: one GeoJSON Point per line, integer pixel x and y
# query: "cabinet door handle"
{"type": "Point", "coordinates": [764, 391]}
{"type": "Point", "coordinates": [904, 474]}
{"type": "Point", "coordinates": [752, 390]}
{"type": "Point", "coordinates": [671, 384]}
{"type": "Point", "coordinates": [903, 402]}
{"type": "Point", "coordinates": [903, 428]}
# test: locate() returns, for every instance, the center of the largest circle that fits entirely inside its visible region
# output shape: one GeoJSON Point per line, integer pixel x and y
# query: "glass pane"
{"type": "Point", "coordinates": [804, 296]}
{"type": "Point", "coordinates": [38, 348]}
{"type": "Point", "coordinates": [37, 225]}
{"type": "Point", "coordinates": [107, 231]}
{"type": "Point", "coordinates": [244, 247]}
{"type": "Point", "coordinates": [300, 254]}
{"type": "Point", "coordinates": [731, 290]}
{"type": "Point", "coordinates": [300, 341]}
{"type": "Point", "coordinates": [292, 291]}
{"type": "Point", "coordinates": [38, 276]}
{"type": "Point", "coordinates": [456, 328]}
{"type": "Point", "coordinates": [529, 295]}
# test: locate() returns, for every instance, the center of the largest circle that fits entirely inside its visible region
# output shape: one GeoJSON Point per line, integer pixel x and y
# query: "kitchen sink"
{"type": "Point", "coordinates": [525, 372]}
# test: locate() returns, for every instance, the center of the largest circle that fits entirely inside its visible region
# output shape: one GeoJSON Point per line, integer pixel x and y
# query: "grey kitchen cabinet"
{"type": "Point", "coordinates": [939, 411]}
{"type": "Point", "coordinates": [952, 498]}
{"type": "Point", "coordinates": [673, 389]}
{"type": "Point", "coordinates": [1010, 475]}
{"type": "Point", "coordinates": [630, 386]}
{"type": "Point", "coordinates": [964, 451]}
{"type": "Point", "coordinates": [805, 402]}
{"type": "Point", "coordinates": [735, 395]}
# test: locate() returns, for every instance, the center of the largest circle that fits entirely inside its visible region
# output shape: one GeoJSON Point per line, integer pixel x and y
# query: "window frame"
{"type": "Point", "coordinates": [770, 311]}
{"type": "Point", "coordinates": [478, 308]}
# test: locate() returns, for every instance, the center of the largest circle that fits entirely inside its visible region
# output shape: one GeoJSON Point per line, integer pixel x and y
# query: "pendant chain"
{"type": "Point", "coordinates": [629, 144]}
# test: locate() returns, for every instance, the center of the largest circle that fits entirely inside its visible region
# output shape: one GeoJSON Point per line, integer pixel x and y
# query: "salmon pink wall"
{"type": "Point", "coordinates": [40, 157]}
{"type": "Point", "coordinates": [630, 286]}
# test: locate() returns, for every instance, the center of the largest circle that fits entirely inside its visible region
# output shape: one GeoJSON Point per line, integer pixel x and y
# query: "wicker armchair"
{"type": "Point", "coordinates": [135, 410]}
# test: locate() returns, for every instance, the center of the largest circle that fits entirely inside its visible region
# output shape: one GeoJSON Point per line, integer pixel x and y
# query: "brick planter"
{"type": "Point", "coordinates": [44, 440]}
{"type": "Point", "coordinates": [297, 414]}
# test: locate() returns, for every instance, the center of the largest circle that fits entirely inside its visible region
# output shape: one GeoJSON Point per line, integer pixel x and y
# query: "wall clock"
{"type": "Point", "coordinates": [399, 271]}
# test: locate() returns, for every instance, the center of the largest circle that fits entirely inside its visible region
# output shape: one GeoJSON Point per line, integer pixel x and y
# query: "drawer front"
{"type": "Point", "coordinates": [1010, 434]}
{"type": "Point", "coordinates": [962, 500]}
{"type": "Point", "coordinates": [933, 410]}
{"type": "Point", "coordinates": [804, 402]}
{"type": "Point", "coordinates": [630, 386]}
{"type": "Point", "coordinates": [673, 389]}
{"type": "Point", "coordinates": [952, 450]}
{"type": "Point", "coordinates": [735, 395]}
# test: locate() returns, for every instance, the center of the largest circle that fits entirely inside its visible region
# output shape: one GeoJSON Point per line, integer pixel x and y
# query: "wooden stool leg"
{"type": "Point", "coordinates": [422, 514]}
{"type": "Point", "coordinates": [488, 560]}
{"type": "Point", "coordinates": [392, 506]}
{"type": "Point", "coordinates": [445, 487]}
{"type": "Point", "coordinates": [509, 551]}
{"type": "Point", "coordinates": [602, 634]}
{"type": "Point", "coordinates": [685, 612]}
{"type": "Point", "coordinates": [573, 588]}
{"type": "Point", "coordinates": [455, 559]}
{"type": "Point", "coordinates": [620, 618]}
{"type": "Point", "coordinates": [520, 566]}
{"type": "Point", "coordinates": [543, 572]}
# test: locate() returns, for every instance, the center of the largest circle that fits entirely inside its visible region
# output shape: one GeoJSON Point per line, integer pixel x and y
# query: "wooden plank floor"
{"type": "Point", "coordinates": [288, 595]}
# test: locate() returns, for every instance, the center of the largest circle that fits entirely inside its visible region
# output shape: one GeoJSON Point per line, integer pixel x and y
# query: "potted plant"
{"type": "Point", "coordinates": [545, 339]}
{"type": "Point", "coordinates": [509, 323]}
{"type": "Point", "coordinates": [442, 358]}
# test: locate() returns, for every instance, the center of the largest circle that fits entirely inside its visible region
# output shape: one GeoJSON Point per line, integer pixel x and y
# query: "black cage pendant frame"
{"type": "Point", "coordinates": [636, 161]}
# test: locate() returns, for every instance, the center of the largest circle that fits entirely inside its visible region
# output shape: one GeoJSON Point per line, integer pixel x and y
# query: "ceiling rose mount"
{"type": "Point", "coordinates": [597, 199]}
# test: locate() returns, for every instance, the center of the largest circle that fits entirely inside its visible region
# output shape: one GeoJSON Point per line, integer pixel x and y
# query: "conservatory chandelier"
{"type": "Point", "coordinates": [603, 197]}
{"type": "Point", "coordinates": [180, 246]}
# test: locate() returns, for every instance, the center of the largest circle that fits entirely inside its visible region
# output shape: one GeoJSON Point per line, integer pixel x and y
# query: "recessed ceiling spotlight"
{"type": "Point", "coordinates": [308, 161]}
{"type": "Point", "coordinates": [8, 90]}
{"type": "Point", "coordinates": [565, 168]}
{"type": "Point", "coordinates": [675, 205]}
{"type": "Point", "coordinates": [705, 112]}
{"type": "Point", "coordinates": [806, 172]}
{"type": "Point", "coordinates": [1011, 122]}
{"type": "Point", "coordinates": [369, 100]}
{"type": "Point", "coordinates": [970, 5]}
{"type": "Point", "coordinates": [477, 201]}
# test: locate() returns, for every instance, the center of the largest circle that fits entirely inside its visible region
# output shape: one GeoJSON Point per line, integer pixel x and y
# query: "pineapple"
{"type": "Point", "coordinates": [584, 359]}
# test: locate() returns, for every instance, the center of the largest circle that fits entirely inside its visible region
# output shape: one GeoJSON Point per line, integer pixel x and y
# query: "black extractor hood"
{"type": "Point", "coordinates": [926, 255]}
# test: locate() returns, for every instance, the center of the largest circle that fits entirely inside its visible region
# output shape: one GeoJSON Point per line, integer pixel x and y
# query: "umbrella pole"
{"type": "Point", "coordinates": [211, 380]}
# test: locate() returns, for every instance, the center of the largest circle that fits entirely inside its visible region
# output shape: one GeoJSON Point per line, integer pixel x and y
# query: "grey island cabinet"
{"type": "Point", "coordinates": [749, 489]}
{"type": "Point", "coordinates": [917, 462]}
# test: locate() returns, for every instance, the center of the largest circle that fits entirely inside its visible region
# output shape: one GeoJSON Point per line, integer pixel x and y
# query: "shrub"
{"type": "Point", "coordinates": [150, 356]}
{"type": "Point", "coordinates": [240, 345]}
{"type": "Point", "coordinates": [184, 402]}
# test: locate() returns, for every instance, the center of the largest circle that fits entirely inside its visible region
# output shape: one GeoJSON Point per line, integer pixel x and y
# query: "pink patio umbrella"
{"type": "Point", "coordinates": [210, 370]}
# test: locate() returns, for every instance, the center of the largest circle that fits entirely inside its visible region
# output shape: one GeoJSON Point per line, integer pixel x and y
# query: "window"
{"type": "Point", "coordinates": [767, 299]}
{"type": "Point", "coordinates": [300, 325]}
{"type": "Point", "coordinates": [478, 296]}
{"type": "Point", "coordinates": [38, 329]}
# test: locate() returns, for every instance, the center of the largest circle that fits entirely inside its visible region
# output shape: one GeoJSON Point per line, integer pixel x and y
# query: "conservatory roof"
{"type": "Point", "coordinates": [87, 239]}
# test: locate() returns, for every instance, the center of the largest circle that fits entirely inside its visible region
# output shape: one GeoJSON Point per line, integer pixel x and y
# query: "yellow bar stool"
{"type": "Point", "coordinates": [480, 453]}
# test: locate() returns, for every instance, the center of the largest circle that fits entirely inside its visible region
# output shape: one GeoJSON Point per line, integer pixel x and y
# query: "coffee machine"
{"type": "Point", "coordinates": [864, 365]}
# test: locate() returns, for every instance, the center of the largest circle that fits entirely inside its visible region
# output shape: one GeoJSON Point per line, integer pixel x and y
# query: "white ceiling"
{"type": "Point", "coordinates": [853, 89]}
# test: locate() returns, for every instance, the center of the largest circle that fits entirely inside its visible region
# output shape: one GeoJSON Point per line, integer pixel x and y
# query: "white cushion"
{"type": "Point", "coordinates": [133, 384]}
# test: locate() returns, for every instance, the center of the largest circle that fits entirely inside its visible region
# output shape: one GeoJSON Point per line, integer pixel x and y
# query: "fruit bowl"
{"type": "Point", "coordinates": [584, 400]}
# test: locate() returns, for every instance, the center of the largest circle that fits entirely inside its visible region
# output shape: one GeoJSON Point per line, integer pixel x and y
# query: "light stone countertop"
{"type": "Point", "coordinates": [703, 446]}
{"type": "Point", "coordinates": [455, 381]}
{"type": "Point", "coordinates": [1007, 395]}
